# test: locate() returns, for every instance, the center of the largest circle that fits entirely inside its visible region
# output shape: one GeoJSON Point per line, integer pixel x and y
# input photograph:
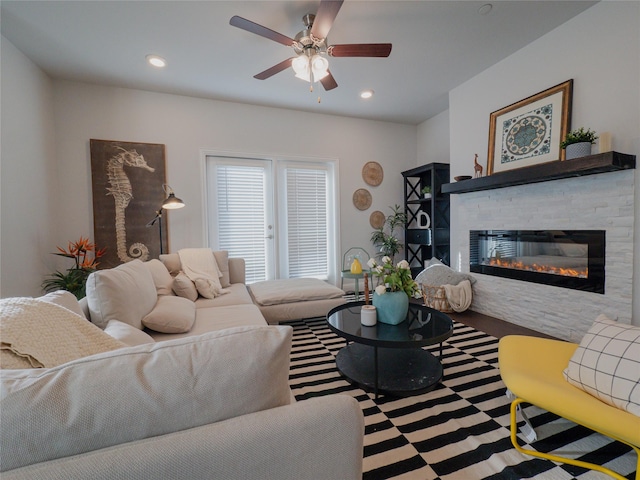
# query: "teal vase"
{"type": "Point", "coordinates": [391, 307]}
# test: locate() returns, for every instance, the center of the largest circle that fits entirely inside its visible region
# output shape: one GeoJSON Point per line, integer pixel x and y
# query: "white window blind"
{"type": "Point", "coordinates": [307, 217]}
{"type": "Point", "coordinates": [240, 216]}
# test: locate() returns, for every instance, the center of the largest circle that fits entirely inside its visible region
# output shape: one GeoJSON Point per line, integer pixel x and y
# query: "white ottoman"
{"type": "Point", "coordinates": [295, 298]}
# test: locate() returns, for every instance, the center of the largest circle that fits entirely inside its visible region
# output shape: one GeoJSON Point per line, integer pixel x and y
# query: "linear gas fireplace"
{"type": "Point", "coordinates": [563, 258]}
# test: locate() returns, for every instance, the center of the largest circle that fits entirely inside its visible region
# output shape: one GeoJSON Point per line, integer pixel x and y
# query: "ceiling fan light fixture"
{"type": "Point", "coordinates": [319, 66]}
{"type": "Point", "coordinates": [304, 67]}
{"type": "Point", "coordinates": [300, 65]}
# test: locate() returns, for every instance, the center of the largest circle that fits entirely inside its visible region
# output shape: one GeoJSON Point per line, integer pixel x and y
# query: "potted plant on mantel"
{"type": "Point", "coordinates": [578, 143]}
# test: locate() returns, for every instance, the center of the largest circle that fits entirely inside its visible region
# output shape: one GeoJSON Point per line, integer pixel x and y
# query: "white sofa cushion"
{"type": "Point", "coordinates": [125, 293]}
{"type": "Point", "coordinates": [292, 290]}
{"type": "Point", "coordinates": [161, 276]}
{"type": "Point", "coordinates": [65, 299]}
{"type": "Point", "coordinates": [171, 315]}
{"type": "Point", "coordinates": [210, 319]}
{"type": "Point", "coordinates": [222, 260]}
{"type": "Point", "coordinates": [127, 334]}
{"type": "Point", "coordinates": [140, 392]}
{"type": "Point", "coordinates": [606, 364]}
{"type": "Point", "coordinates": [238, 295]}
{"type": "Point", "coordinates": [184, 287]}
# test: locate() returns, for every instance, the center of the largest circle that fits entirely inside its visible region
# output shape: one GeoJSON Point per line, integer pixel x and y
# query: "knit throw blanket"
{"type": "Point", "coordinates": [200, 266]}
{"type": "Point", "coordinates": [459, 296]}
{"type": "Point", "coordinates": [39, 334]}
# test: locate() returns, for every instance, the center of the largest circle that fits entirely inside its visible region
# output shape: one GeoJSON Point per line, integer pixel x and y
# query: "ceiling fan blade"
{"type": "Point", "coordinates": [328, 82]}
{"type": "Point", "coordinates": [265, 32]}
{"type": "Point", "coordinates": [361, 50]}
{"type": "Point", "coordinates": [269, 72]}
{"type": "Point", "coordinates": [325, 16]}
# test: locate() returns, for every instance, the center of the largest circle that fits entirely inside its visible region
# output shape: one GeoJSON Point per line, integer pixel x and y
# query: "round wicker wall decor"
{"type": "Point", "coordinates": [372, 173]}
{"type": "Point", "coordinates": [362, 199]}
{"type": "Point", "coordinates": [376, 219]}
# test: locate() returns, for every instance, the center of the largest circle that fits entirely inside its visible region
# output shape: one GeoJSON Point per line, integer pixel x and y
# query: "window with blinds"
{"type": "Point", "coordinates": [307, 222]}
{"type": "Point", "coordinates": [279, 215]}
{"type": "Point", "coordinates": [240, 216]}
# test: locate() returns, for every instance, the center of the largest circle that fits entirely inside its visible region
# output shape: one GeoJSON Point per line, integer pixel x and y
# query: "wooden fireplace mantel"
{"type": "Point", "coordinates": [576, 167]}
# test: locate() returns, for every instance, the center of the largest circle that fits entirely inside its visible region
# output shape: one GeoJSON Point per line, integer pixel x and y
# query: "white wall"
{"type": "Point", "coordinates": [28, 185]}
{"type": "Point", "coordinates": [187, 126]}
{"type": "Point", "coordinates": [433, 140]}
{"type": "Point", "coordinates": [599, 49]}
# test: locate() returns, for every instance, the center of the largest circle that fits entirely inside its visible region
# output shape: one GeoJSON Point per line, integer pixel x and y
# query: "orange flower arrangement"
{"type": "Point", "coordinates": [74, 279]}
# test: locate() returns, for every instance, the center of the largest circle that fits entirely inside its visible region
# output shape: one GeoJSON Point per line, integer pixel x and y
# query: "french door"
{"type": "Point", "coordinates": [279, 215]}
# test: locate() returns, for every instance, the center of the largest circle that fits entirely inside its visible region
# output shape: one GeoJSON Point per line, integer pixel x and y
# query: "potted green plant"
{"type": "Point", "coordinates": [577, 143]}
{"type": "Point", "coordinates": [386, 240]}
{"type": "Point", "coordinates": [391, 296]}
{"type": "Point", "coordinates": [426, 191]}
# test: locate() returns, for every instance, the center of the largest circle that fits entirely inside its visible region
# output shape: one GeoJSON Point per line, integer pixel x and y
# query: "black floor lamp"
{"type": "Point", "coordinates": [171, 203]}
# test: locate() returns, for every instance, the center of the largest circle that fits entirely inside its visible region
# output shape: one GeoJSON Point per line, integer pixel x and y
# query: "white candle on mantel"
{"type": "Point", "coordinates": [605, 142]}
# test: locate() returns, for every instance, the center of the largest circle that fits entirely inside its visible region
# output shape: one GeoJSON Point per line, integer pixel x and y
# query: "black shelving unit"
{"type": "Point", "coordinates": [427, 231]}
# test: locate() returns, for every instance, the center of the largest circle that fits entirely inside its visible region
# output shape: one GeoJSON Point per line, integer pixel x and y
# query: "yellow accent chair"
{"type": "Point", "coordinates": [532, 369]}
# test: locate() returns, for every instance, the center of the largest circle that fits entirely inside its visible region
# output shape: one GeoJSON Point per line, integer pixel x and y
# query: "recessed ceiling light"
{"type": "Point", "coordinates": [366, 93]}
{"type": "Point", "coordinates": [484, 9]}
{"type": "Point", "coordinates": [156, 61]}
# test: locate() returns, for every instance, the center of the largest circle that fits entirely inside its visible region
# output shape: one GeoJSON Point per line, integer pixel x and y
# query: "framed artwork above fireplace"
{"type": "Point", "coordinates": [529, 132]}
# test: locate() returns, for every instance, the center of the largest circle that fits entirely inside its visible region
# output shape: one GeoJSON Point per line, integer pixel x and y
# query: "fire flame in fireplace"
{"type": "Point", "coordinates": [551, 269]}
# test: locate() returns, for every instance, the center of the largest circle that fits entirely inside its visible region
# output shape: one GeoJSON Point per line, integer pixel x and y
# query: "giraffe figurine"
{"type": "Point", "coordinates": [477, 168]}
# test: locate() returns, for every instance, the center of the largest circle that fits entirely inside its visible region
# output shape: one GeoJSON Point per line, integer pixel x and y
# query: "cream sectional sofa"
{"type": "Point", "coordinates": [208, 399]}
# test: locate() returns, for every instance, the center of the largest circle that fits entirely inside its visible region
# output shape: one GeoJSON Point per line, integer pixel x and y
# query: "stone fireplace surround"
{"type": "Point", "coordinates": [603, 201]}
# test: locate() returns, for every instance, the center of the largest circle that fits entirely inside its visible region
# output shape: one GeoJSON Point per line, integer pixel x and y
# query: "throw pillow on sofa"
{"type": "Point", "coordinates": [64, 299]}
{"type": "Point", "coordinates": [184, 287]}
{"type": "Point", "coordinates": [171, 315]}
{"type": "Point", "coordinates": [125, 293]}
{"type": "Point", "coordinates": [161, 276]}
{"type": "Point", "coordinates": [161, 388]}
{"type": "Point", "coordinates": [606, 364]}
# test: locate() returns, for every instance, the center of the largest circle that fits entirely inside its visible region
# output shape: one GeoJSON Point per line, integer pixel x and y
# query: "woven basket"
{"type": "Point", "coordinates": [435, 297]}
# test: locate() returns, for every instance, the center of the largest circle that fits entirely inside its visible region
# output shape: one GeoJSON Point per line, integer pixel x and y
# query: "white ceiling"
{"type": "Point", "coordinates": [437, 45]}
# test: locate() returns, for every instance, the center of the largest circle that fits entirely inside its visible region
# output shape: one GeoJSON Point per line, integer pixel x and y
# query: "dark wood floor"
{"type": "Point", "coordinates": [493, 326]}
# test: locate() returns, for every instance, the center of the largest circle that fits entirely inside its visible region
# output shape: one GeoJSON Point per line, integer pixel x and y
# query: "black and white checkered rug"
{"type": "Point", "coordinates": [460, 430]}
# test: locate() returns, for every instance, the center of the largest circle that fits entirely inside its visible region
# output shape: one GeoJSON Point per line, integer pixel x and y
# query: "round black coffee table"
{"type": "Point", "coordinates": [388, 359]}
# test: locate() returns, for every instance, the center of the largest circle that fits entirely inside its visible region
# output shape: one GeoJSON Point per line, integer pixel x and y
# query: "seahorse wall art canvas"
{"type": "Point", "coordinates": [127, 181]}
